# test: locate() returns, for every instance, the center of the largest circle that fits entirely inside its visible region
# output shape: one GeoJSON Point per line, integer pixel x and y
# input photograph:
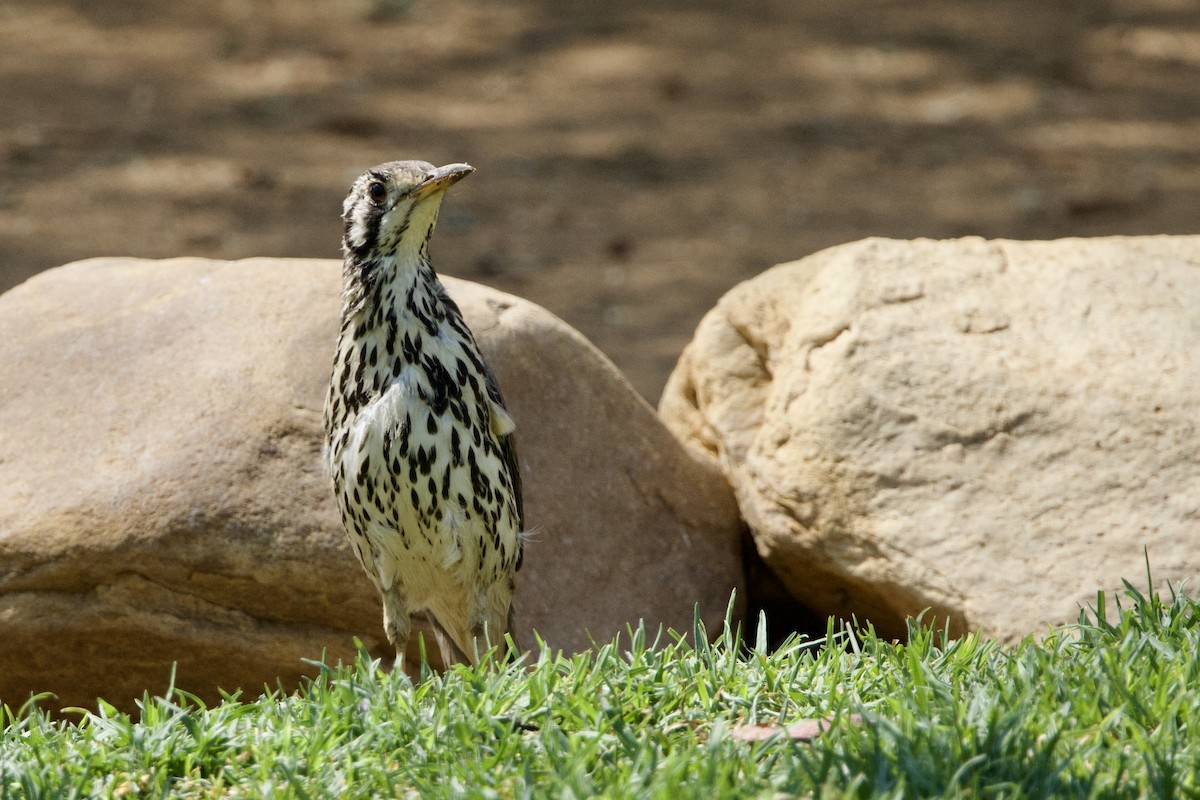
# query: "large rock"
{"type": "Point", "coordinates": [162, 497]}
{"type": "Point", "coordinates": [990, 429]}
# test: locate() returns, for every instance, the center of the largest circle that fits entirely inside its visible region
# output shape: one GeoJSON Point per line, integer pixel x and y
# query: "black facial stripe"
{"type": "Point", "coordinates": [372, 218]}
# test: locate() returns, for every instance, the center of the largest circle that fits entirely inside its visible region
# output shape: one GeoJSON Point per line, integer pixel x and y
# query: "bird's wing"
{"type": "Point", "coordinates": [508, 449]}
{"type": "Point", "coordinates": [502, 423]}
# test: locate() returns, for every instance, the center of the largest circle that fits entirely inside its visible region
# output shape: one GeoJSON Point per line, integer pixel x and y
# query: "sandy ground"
{"type": "Point", "coordinates": [636, 159]}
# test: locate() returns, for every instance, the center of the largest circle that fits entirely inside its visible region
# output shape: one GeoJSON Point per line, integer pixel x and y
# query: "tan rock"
{"type": "Point", "coordinates": [162, 496]}
{"type": "Point", "coordinates": [990, 429]}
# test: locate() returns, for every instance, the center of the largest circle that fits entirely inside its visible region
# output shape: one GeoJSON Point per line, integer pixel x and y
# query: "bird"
{"type": "Point", "coordinates": [420, 444]}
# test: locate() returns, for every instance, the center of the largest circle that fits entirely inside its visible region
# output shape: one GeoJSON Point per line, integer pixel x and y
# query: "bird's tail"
{"type": "Point", "coordinates": [451, 652]}
{"type": "Point", "coordinates": [448, 649]}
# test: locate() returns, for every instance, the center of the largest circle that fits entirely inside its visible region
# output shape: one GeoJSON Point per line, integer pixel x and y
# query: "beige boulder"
{"type": "Point", "coordinates": [990, 429]}
{"type": "Point", "coordinates": [162, 496]}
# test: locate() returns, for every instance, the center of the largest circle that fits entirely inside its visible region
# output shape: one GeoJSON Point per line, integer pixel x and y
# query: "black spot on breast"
{"type": "Point", "coordinates": [440, 385]}
{"type": "Point", "coordinates": [456, 322]}
{"type": "Point", "coordinates": [405, 430]}
{"type": "Point", "coordinates": [410, 347]}
{"type": "Point", "coordinates": [393, 325]}
{"type": "Point", "coordinates": [358, 373]}
{"type": "Point", "coordinates": [476, 361]}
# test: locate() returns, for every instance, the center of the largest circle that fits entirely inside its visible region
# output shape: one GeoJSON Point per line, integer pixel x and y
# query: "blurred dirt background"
{"type": "Point", "coordinates": [636, 159]}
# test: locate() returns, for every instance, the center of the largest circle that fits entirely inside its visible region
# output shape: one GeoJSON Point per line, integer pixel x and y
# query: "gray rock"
{"type": "Point", "coordinates": [990, 429]}
{"type": "Point", "coordinates": [162, 496]}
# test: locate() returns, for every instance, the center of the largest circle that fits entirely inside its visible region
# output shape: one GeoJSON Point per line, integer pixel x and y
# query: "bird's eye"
{"type": "Point", "coordinates": [377, 192]}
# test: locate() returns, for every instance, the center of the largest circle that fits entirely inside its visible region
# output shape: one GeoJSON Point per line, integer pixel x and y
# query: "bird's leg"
{"type": "Point", "coordinates": [396, 622]}
{"type": "Point", "coordinates": [515, 650]}
{"type": "Point", "coordinates": [505, 591]}
{"type": "Point", "coordinates": [489, 616]}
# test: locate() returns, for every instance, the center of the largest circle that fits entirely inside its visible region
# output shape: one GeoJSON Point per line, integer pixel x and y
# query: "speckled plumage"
{"type": "Point", "coordinates": [420, 444]}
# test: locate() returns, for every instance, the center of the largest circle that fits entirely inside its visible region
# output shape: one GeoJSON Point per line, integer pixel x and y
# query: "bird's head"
{"type": "Point", "coordinates": [392, 208]}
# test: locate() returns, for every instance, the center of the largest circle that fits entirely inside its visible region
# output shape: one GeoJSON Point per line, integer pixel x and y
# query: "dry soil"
{"type": "Point", "coordinates": [636, 159]}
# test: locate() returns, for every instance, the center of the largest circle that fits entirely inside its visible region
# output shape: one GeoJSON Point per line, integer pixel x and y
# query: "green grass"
{"type": "Point", "coordinates": [1097, 709]}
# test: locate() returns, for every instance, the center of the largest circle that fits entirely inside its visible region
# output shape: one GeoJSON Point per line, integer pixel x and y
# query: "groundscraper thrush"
{"type": "Point", "coordinates": [420, 444]}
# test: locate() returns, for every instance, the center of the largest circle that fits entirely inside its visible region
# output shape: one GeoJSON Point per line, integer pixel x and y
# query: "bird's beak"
{"type": "Point", "coordinates": [442, 179]}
